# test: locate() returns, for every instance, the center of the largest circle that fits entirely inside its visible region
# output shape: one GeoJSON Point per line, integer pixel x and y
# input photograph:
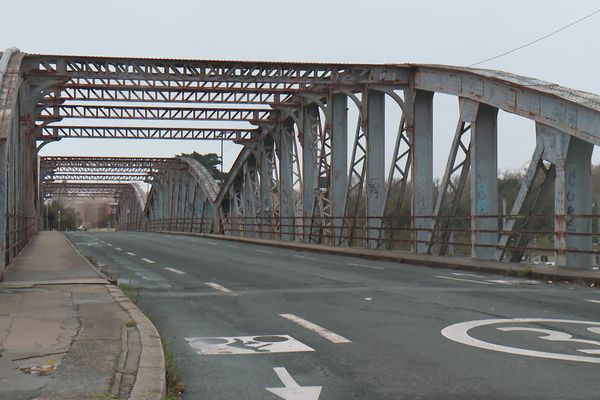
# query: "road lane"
{"type": "Point", "coordinates": [397, 350]}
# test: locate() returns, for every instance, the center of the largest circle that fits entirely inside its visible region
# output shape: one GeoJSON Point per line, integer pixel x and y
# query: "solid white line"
{"type": "Point", "coordinates": [463, 280]}
{"type": "Point", "coordinates": [232, 246]}
{"type": "Point", "coordinates": [303, 257]}
{"type": "Point", "coordinates": [213, 243]}
{"type": "Point", "coordinates": [148, 261]}
{"type": "Point", "coordinates": [263, 251]}
{"type": "Point", "coordinates": [175, 270]}
{"type": "Point", "coordinates": [471, 275]}
{"type": "Point", "coordinates": [319, 330]}
{"type": "Point", "coordinates": [594, 301]}
{"type": "Point", "coordinates": [130, 253]}
{"type": "Point", "coordinates": [365, 266]}
{"type": "Point", "coordinates": [118, 249]}
{"type": "Point", "coordinates": [218, 287]}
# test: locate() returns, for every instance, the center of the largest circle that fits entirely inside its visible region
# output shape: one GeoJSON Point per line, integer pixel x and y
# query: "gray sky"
{"type": "Point", "coordinates": [375, 31]}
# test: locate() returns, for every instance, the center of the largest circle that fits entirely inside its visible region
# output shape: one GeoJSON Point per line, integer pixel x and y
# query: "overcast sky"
{"type": "Point", "coordinates": [375, 31]}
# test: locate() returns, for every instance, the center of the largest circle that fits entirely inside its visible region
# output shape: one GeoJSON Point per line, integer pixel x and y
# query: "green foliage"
{"type": "Point", "coordinates": [69, 218]}
{"type": "Point", "coordinates": [175, 385]}
{"type": "Point", "coordinates": [210, 161]}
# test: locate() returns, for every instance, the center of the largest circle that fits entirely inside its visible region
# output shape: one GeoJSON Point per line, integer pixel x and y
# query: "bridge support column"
{"type": "Point", "coordinates": [573, 198]}
{"type": "Point", "coordinates": [375, 164]}
{"type": "Point", "coordinates": [421, 125]}
{"type": "Point", "coordinates": [484, 183]}
{"type": "Point", "coordinates": [310, 165]}
{"type": "Point", "coordinates": [286, 188]}
{"type": "Point", "coordinates": [339, 160]}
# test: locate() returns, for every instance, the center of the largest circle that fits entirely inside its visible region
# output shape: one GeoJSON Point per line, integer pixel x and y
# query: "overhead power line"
{"type": "Point", "coordinates": [538, 39]}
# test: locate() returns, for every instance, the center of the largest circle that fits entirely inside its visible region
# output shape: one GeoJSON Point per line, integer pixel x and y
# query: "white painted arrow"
{"type": "Point", "coordinates": [293, 391]}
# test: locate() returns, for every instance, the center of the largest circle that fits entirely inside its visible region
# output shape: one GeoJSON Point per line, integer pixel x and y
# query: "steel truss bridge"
{"type": "Point", "coordinates": [293, 180]}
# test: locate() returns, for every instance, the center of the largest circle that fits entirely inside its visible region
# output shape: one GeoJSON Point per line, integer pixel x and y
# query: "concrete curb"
{"type": "Point", "coordinates": [150, 381]}
{"type": "Point", "coordinates": [577, 275]}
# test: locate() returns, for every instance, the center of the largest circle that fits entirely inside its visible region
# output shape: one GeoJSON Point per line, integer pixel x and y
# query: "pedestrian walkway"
{"type": "Point", "coordinates": [65, 333]}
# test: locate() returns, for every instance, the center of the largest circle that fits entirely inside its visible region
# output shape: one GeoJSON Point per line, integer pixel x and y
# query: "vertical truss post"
{"type": "Point", "coordinates": [375, 165]}
{"type": "Point", "coordinates": [339, 159]}
{"type": "Point", "coordinates": [573, 204]}
{"type": "Point", "coordinates": [484, 183]}
{"type": "Point", "coordinates": [454, 180]}
{"type": "Point", "coordinates": [310, 128]}
{"type": "Point", "coordinates": [250, 198]}
{"type": "Point", "coordinates": [266, 154]}
{"type": "Point", "coordinates": [420, 131]}
{"type": "Point", "coordinates": [286, 184]}
{"type": "Point", "coordinates": [191, 202]}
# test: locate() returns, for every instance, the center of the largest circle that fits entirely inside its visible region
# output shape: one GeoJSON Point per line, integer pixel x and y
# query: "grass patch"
{"type": "Point", "coordinates": [132, 292]}
{"type": "Point", "coordinates": [175, 385]}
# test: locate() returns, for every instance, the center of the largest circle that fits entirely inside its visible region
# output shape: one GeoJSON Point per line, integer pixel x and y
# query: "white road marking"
{"type": "Point", "coordinates": [463, 280]}
{"type": "Point", "coordinates": [264, 344]}
{"type": "Point", "coordinates": [319, 330]}
{"type": "Point", "coordinates": [365, 266]}
{"type": "Point", "coordinates": [218, 287]}
{"type": "Point", "coordinates": [471, 275]}
{"type": "Point", "coordinates": [130, 253]}
{"type": "Point", "coordinates": [460, 333]}
{"type": "Point", "coordinates": [594, 301]}
{"type": "Point", "coordinates": [368, 298]}
{"type": "Point", "coordinates": [213, 243]}
{"type": "Point", "coordinates": [513, 281]}
{"type": "Point", "coordinates": [109, 245]}
{"type": "Point", "coordinates": [118, 249]}
{"type": "Point", "coordinates": [304, 257]}
{"type": "Point", "coordinates": [263, 251]}
{"type": "Point", "coordinates": [232, 246]}
{"type": "Point", "coordinates": [178, 272]}
{"type": "Point", "coordinates": [291, 389]}
{"type": "Point", "coordinates": [148, 261]}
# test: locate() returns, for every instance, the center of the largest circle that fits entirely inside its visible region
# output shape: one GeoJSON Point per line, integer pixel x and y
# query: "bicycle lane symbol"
{"type": "Point", "coordinates": [460, 333]}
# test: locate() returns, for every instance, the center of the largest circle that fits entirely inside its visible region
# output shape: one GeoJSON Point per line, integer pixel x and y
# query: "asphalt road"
{"type": "Point", "coordinates": [379, 324]}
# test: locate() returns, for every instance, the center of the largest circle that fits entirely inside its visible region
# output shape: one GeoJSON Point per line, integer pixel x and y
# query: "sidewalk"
{"type": "Point", "coordinates": [66, 334]}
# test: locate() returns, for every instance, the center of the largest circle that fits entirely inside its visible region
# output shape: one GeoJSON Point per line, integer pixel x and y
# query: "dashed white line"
{"type": "Point", "coordinates": [263, 251]}
{"type": "Point", "coordinates": [130, 253]}
{"type": "Point", "coordinates": [118, 249]}
{"type": "Point", "coordinates": [232, 246]}
{"type": "Point", "coordinates": [365, 266]}
{"type": "Point", "coordinates": [109, 245]}
{"type": "Point", "coordinates": [463, 280]}
{"type": "Point", "coordinates": [178, 272]}
{"type": "Point", "coordinates": [148, 261]}
{"type": "Point", "coordinates": [319, 330]}
{"type": "Point", "coordinates": [593, 301]}
{"type": "Point", "coordinates": [213, 243]}
{"type": "Point", "coordinates": [218, 287]}
{"type": "Point", "coordinates": [304, 257]}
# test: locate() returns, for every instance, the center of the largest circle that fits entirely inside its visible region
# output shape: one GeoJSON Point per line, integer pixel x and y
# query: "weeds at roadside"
{"type": "Point", "coordinates": [132, 292]}
{"type": "Point", "coordinates": [175, 385]}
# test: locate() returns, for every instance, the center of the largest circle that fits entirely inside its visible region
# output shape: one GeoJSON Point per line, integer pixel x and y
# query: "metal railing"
{"type": "Point", "coordinates": [532, 238]}
{"type": "Point", "coordinates": [19, 231]}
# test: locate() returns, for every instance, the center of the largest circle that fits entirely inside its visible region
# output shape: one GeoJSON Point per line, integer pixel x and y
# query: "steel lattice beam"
{"type": "Point", "coordinates": [57, 132]}
{"type": "Point", "coordinates": [97, 177]}
{"type": "Point", "coordinates": [155, 113]}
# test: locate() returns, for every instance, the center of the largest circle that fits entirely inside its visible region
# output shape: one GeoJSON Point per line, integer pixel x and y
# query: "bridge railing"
{"type": "Point", "coordinates": [531, 239]}
{"type": "Point", "coordinates": [19, 230]}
